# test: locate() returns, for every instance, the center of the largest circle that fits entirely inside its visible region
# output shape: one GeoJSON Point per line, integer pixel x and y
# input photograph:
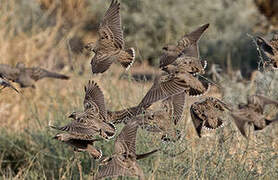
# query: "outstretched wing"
{"type": "Point", "coordinates": [110, 27]}
{"type": "Point", "coordinates": [178, 102]}
{"type": "Point", "coordinates": [162, 90]}
{"type": "Point", "coordinates": [169, 55]}
{"type": "Point", "coordinates": [125, 142]}
{"type": "Point", "coordinates": [112, 169]}
{"type": "Point", "coordinates": [101, 61]}
{"type": "Point", "coordinates": [189, 42]}
{"type": "Point", "coordinates": [81, 130]}
{"type": "Point", "coordinates": [94, 99]}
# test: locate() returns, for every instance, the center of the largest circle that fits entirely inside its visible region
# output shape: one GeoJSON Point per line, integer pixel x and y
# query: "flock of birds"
{"type": "Point", "coordinates": [180, 65]}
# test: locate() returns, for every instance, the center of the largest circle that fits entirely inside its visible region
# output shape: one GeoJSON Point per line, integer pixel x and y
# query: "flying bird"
{"type": "Point", "coordinates": [123, 161]}
{"type": "Point", "coordinates": [26, 77]}
{"type": "Point", "coordinates": [188, 45]}
{"type": "Point", "coordinates": [208, 113]}
{"type": "Point", "coordinates": [253, 113]}
{"type": "Point", "coordinates": [110, 45]}
{"type": "Point", "coordinates": [92, 121]}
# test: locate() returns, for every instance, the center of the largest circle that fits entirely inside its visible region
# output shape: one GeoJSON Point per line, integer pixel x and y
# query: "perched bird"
{"type": "Point", "coordinates": [123, 161]}
{"type": "Point", "coordinates": [110, 45]}
{"type": "Point", "coordinates": [270, 49]}
{"type": "Point", "coordinates": [80, 145]}
{"type": "Point", "coordinates": [93, 120]}
{"type": "Point", "coordinates": [5, 83]}
{"type": "Point", "coordinates": [188, 45]}
{"type": "Point", "coordinates": [26, 77]}
{"type": "Point", "coordinates": [252, 113]}
{"type": "Point", "coordinates": [208, 113]}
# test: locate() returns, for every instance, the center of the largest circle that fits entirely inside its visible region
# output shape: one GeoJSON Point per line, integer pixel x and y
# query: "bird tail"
{"type": "Point", "coordinates": [56, 75]}
{"type": "Point", "coordinates": [142, 156]}
{"type": "Point", "coordinates": [127, 57]}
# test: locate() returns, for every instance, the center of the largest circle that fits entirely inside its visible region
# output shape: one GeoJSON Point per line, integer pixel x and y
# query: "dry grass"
{"type": "Point", "coordinates": [27, 150]}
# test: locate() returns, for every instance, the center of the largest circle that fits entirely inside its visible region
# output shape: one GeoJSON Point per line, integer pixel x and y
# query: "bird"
{"type": "Point", "coordinates": [208, 113]}
{"type": "Point", "coordinates": [187, 68]}
{"type": "Point", "coordinates": [80, 145]}
{"type": "Point", "coordinates": [253, 113]}
{"type": "Point", "coordinates": [259, 101]}
{"type": "Point", "coordinates": [110, 44]}
{"type": "Point", "coordinates": [92, 121]}
{"type": "Point", "coordinates": [270, 49]}
{"type": "Point", "coordinates": [123, 161]}
{"type": "Point", "coordinates": [26, 77]}
{"type": "Point", "coordinates": [5, 83]}
{"type": "Point", "coordinates": [188, 45]}
{"type": "Point", "coordinates": [177, 80]}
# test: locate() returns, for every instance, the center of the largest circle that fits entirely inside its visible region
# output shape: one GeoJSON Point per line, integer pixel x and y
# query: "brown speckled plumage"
{"type": "Point", "coordinates": [253, 112]}
{"type": "Point", "coordinates": [208, 113]}
{"type": "Point", "coordinates": [123, 161]}
{"type": "Point", "coordinates": [93, 120]}
{"type": "Point", "coordinates": [188, 45]}
{"type": "Point", "coordinates": [110, 45]}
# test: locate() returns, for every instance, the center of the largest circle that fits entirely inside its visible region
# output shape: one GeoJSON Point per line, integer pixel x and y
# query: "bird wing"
{"type": "Point", "coordinates": [94, 99]}
{"type": "Point", "coordinates": [122, 115]}
{"type": "Point", "coordinates": [178, 102]}
{"type": "Point", "coordinates": [126, 141]}
{"type": "Point", "coordinates": [241, 118]}
{"type": "Point", "coordinates": [197, 122]}
{"type": "Point", "coordinates": [162, 89]}
{"type": "Point", "coordinates": [110, 27]}
{"type": "Point", "coordinates": [190, 41]}
{"type": "Point", "coordinates": [9, 72]}
{"type": "Point", "coordinates": [112, 169]}
{"type": "Point", "coordinates": [81, 130]}
{"type": "Point", "coordinates": [101, 61]}
{"type": "Point", "coordinates": [169, 55]}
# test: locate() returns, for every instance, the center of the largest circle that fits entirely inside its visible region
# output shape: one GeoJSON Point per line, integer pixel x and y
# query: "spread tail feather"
{"type": "Point", "coordinates": [127, 58]}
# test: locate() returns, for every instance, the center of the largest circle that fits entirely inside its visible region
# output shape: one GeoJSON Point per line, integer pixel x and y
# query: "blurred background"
{"type": "Point", "coordinates": [51, 34]}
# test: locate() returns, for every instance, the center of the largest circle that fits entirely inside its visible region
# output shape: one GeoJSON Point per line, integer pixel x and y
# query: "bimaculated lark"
{"type": "Point", "coordinates": [188, 45]}
{"type": "Point", "coordinates": [5, 83]}
{"type": "Point", "coordinates": [208, 113]}
{"type": "Point", "coordinates": [92, 121]}
{"type": "Point", "coordinates": [270, 49]}
{"type": "Point", "coordinates": [26, 77]}
{"type": "Point", "coordinates": [253, 113]}
{"type": "Point", "coordinates": [123, 161]}
{"type": "Point", "coordinates": [110, 45]}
